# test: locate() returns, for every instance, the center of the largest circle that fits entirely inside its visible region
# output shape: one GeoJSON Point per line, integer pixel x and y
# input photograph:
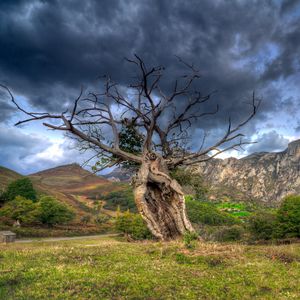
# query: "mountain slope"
{"type": "Point", "coordinates": [73, 185]}
{"type": "Point", "coordinates": [70, 184]}
{"type": "Point", "coordinates": [7, 176]}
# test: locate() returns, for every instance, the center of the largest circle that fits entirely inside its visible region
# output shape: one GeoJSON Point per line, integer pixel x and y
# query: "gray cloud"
{"type": "Point", "coordinates": [49, 48]}
{"type": "Point", "coordinates": [268, 142]}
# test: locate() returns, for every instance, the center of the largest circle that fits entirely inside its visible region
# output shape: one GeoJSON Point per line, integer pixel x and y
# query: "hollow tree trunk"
{"type": "Point", "coordinates": [160, 200]}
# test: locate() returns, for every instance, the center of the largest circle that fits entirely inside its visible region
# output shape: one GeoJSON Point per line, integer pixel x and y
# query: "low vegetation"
{"type": "Point", "coordinates": [107, 268]}
{"type": "Point", "coordinates": [22, 205]}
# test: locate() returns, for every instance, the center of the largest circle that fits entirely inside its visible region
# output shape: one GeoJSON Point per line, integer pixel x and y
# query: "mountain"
{"type": "Point", "coordinates": [120, 174]}
{"type": "Point", "coordinates": [7, 176]}
{"type": "Point", "coordinates": [70, 184]}
{"type": "Point", "coordinates": [70, 177]}
{"type": "Point", "coordinates": [262, 177]}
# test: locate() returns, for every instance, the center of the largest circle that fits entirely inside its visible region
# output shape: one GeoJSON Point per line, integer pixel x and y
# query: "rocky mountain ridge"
{"type": "Point", "coordinates": [263, 177]}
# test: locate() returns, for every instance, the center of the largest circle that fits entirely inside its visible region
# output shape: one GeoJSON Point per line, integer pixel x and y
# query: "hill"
{"type": "Point", "coordinates": [7, 176]}
{"type": "Point", "coordinates": [70, 184]}
{"type": "Point", "coordinates": [73, 185]}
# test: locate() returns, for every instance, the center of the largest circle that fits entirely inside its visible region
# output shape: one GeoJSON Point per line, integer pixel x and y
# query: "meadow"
{"type": "Point", "coordinates": [111, 268]}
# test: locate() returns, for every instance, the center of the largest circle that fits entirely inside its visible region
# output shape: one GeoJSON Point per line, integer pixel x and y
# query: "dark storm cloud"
{"type": "Point", "coordinates": [7, 109]}
{"type": "Point", "coordinates": [268, 142]}
{"type": "Point", "coordinates": [49, 48]}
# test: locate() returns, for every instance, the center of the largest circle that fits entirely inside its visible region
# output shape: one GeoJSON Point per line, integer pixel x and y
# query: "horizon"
{"type": "Point", "coordinates": [110, 170]}
{"type": "Point", "coordinates": [45, 63]}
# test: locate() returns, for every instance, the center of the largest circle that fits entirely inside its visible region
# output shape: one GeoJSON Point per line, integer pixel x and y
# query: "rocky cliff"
{"type": "Point", "coordinates": [263, 177]}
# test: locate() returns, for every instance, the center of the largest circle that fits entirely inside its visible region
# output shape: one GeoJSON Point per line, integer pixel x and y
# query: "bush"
{"type": "Point", "coordinates": [52, 212]}
{"type": "Point", "coordinates": [85, 219]}
{"type": "Point", "coordinates": [21, 187]}
{"type": "Point", "coordinates": [123, 199]}
{"type": "Point", "coordinates": [189, 240]}
{"type": "Point", "coordinates": [263, 225]}
{"type": "Point", "coordinates": [22, 209]}
{"type": "Point", "coordinates": [288, 217]}
{"type": "Point", "coordinates": [229, 234]}
{"type": "Point", "coordinates": [3, 198]}
{"type": "Point", "coordinates": [101, 219]}
{"type": "Point", "coordinates": [132, 225]}
{"type": "Point", "coordinates": [206, 213]}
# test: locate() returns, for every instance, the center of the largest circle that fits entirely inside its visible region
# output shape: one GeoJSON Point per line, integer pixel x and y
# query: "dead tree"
{"type": "Point", "coordinates": [154, 115]}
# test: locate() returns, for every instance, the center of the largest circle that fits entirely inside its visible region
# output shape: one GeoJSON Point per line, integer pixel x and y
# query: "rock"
{"type": "Point", "coordinates": [261, 177]}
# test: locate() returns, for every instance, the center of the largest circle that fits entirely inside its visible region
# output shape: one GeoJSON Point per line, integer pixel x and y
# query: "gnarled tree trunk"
{"type": "Point", "coordinates": [160, 199]}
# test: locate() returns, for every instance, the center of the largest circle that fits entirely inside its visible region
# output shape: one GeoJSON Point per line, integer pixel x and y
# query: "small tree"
{"type": "Point", "coordinates": [21, 209]}
{"type": "Point", "coordinates": [52, 212]}
{"type": "Point", "coordinates": [263, 225]}
{"type": "Point", "coordinates": [22, 187]}
{"type": "Point", "coordinates": [289, 216]}
{"type": "Point", "coordinates": [132, 225]}
{"type": "Point", "coordinates": [162, 117]}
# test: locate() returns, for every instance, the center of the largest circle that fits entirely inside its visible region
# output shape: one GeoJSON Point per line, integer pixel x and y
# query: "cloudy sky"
{"type": "Point", "coordinates": [48, 49]}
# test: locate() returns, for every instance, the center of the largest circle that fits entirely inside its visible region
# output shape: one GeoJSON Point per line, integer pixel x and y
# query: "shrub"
{"type": "Point", "coordinates": [229, 234]}
{"type": "Point", "coordinates": [52, 212]}
{"type": "Point", "coordinates": [22, 209]}
{"type": "Point", "coordinates": [85, 219]}
{"type": "Point", "coordinates": [289, 217]}
{"type": "Point", "coordinates": [21, 187]}
{"type": "Point", "coordinates": [101, 219]}
{"type": "Point", "coordinates": [124, 199]}
{"type": "Point", "coordinates": [206, 213]}
{"type": "Point", "coordinates": [3, 198]}
{"type": "Point", "coordinates": [132, 225]}
{"type": "Point", "coordinates": [263, 225]}
{"type": "Point", "coordinates": [189, 240]}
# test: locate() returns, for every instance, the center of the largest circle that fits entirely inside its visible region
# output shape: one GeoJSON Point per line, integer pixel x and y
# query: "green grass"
{"type": "Point", "coordinates": [107, 268]}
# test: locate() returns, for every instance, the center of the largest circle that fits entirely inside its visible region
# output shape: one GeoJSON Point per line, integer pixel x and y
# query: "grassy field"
{"type": "Point", "coordinates": [109, 268]}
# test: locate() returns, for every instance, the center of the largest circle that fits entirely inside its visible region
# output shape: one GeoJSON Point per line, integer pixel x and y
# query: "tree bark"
{"type": "Point", "coordinates": [160, 199]}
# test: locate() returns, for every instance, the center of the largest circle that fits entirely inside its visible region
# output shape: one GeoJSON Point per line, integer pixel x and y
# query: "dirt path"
{"type": "Point", "coordinates": [55, 239]}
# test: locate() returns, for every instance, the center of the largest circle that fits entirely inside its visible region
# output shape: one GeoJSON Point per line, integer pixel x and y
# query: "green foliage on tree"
{"type": "Point", "coordinates": [206, 213]}
{"type": "Point", "coordinates": [52, 212]}
{"type": "Point", "coordinates": [22, 187]}
{"type": "Point", "coordinates": [129, 141]}
{"type": "Point", "coordinates": [132, 225]}
{"type": "Point", "coordinates": [187, 178]}
{"type": "Point", "coordinates": [21, 209]}
{"type": "Point", "coordinates": [289, 216]}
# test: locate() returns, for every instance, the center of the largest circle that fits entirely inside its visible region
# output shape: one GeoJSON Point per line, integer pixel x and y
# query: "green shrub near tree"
{"type": "Point", "coordinates": [123, 199]}
{"type": "Point", "coordinates": [132, 225]}
{"type": "Point", "coordinates": [22, 187]}
{"type": "Point", "coordinates": [53, 212]}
